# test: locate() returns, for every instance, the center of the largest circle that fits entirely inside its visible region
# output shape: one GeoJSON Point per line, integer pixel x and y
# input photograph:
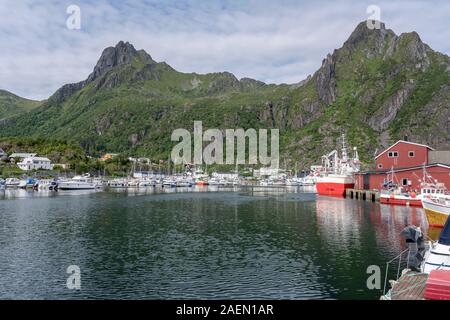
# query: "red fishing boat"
{"type": "Point", "coordinates": [339, 172]}
{"type": "Point", "coordinates": [393, 193]}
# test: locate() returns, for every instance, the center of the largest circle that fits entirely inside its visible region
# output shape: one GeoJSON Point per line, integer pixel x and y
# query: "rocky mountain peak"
{"type": "Point", "coordinates": [373, 39]}
{"type": "Point", "coordinates": [122, 53]}
{"type": "Point", "coordinates": [112, 57]}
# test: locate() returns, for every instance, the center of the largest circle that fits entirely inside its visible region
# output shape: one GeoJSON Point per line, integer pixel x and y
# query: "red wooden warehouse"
{"type": "Point", "coordinates": [407, 160]}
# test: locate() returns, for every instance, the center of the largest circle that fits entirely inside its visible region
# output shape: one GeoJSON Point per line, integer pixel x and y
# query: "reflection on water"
{"type": "Point", "coordinates": [199, 242]}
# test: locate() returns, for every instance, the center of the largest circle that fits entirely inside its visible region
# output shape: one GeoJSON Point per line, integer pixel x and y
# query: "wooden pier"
{"type": "Point", "coordinates": [410, 286]}
{"type": "Point", "coordinates": [366, 195]}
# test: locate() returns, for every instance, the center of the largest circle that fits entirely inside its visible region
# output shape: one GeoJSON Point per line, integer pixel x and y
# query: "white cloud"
{"type": "Point", "coordinates": [274, 42]}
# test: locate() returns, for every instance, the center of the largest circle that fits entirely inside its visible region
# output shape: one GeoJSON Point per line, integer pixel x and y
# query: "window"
{"type": "Point", "coordinates": [405, 182]}
{"type": "Point", "coordinates": [380, 166]}
{"type": "Point", "coordinates": [411, 154]}
{"type": "Point", "coordinates": [393, 154]}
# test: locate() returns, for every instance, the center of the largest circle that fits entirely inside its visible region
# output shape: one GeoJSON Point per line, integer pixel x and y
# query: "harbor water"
{"type": "Point", "coordinates": [195, 243]}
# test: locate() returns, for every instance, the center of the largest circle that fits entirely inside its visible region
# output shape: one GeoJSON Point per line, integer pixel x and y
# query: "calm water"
{"type": "Point", "coordinates": [222, 244]}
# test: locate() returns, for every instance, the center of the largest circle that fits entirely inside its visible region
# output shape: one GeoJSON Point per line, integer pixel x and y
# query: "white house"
{"type": "Point", "coordinates": [35, 163]}
{"type": "Point", "coordinates": [18, 156]}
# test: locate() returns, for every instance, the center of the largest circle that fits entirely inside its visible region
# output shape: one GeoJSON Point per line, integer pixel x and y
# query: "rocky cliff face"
{"type": "Point", "coordinates": [326, 80]}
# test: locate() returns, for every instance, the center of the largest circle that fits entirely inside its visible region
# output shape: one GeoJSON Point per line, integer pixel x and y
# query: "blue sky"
{"type": "Point", "coordinates": [272, 41]}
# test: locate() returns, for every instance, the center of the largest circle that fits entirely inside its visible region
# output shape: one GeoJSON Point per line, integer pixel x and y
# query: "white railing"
{"type": "Point", "coordinates": [399, 258]}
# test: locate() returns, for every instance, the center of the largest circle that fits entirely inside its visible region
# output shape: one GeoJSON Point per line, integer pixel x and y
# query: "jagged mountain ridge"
{"type": "Point", "coordinates": [377, 87]}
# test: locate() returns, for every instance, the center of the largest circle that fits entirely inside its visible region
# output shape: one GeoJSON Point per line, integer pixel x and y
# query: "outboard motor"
{"type": "Point", "coordinates": [416, 244]}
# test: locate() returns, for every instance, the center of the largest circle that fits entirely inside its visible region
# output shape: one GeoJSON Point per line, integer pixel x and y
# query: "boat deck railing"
{"type": "Point", "coordinates": [399, 257]}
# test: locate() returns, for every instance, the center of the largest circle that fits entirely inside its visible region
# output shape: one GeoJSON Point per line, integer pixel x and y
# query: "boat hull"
{"type": "Point", "coordinates": [334, 186]}
{"type": "Point", "coordinates": [75, 186]}
{"type": "Point", "coordinates": [437, 258]}
{"type": "Point", "coordinates": [393, 200]}
{"type": "Point", "coordinates": [333, 189]}
{"type": "Point", "coordinates": [436, 213]}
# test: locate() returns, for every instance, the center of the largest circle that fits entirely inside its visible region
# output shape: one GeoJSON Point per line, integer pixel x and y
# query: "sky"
{"type": "Point", "coordinates": [272, 41]}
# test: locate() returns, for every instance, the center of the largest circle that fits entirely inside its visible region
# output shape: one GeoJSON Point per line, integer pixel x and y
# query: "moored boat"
{"type": "Point", "coordinates": [427, 272]}
{"type": "Point", "coordinates": [400, 197]}
{"type": "Point", "coordinates": [117, 183]}
{"type": "Point", "coordinates": [437, 209]}
{"type": "Point", "coordinates": [334, 184]}
{"type": "Point", "coordinates": [84, 182]}
{"type": "Point", "coordinates": [201, 182]}
{"type": "Point", "coordinates": [47, 184]}
{"type": "Point", "coordinates": [12, 183]}
{"type": "Point", "coordinates": [169, 182]}
{"type": "Point", "coordinates": [338, 175]}
{"type": "Point", "coordinates": [437, 257]}
{"type": "Point", "coordinates": [394, 194]}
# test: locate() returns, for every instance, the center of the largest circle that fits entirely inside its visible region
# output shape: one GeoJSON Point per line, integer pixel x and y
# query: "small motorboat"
{"type": "Point", "coordinates": [12, 183]}
{"type": "Point", "coordinates": [117, 183]}
{"type": "Point", "coordinates": [84, 182]}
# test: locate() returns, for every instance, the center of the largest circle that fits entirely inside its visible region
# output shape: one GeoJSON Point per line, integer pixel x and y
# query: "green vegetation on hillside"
{"type": "Point", "coordinates": [12, 105]}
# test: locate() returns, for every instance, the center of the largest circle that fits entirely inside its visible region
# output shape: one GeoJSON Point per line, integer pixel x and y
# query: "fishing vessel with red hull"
{"type": "Point", "coordinates": [334, 185]}
{"type": "Point", "coordinates": [339, 172]}
{"type": "Point", "coordinates": [395, 194]}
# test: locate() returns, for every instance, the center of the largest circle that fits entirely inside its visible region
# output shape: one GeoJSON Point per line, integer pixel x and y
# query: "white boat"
{"type": "Point", "coordinates": [12, 183]}
{"type": "Point", "coordinates": [265, 183]}
{"type": "Point", "coordinates": [134, 183]}
{"type": "Point", "coordinates": [184, 183]}
{"type": "Point", "coordinates": [117, 183]}
{"type": "Point", "coordinates": [293, 182]}
{"type": "Point", "coordinates": [278, 182]}
{"type": "Point", "coordinates": [84, 182]}
{"type": "Point", "coordinates": [214, 182]}
{"type": "Point", "coordinates": [147, 183]}
{"type": "Point", "coordinates": [424, 258]}
{"type": "Point", "coordinates": [437, 257]}
{"type": "Point", "coordinates": [169, 182]}
{"type": "Point", "coordinates": [47, 184]}
{"type": "Point", "coordinates": [22, 184]}
{"type": "Point", "coordinates": [309, 180]}
{"type": "Point", "coordinates": [430, 187]}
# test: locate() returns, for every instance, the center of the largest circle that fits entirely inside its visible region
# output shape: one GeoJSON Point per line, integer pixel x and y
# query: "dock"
{"type": "Point", "coordinates": [366, 195]}
{"type": "Point", "coordinates": [410, 286]}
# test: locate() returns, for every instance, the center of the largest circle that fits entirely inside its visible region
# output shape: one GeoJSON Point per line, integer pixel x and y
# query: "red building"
{"type": "Point", "coordinates": [407, 161]}
{"type": "Point", "coordinates": [403, 154]}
